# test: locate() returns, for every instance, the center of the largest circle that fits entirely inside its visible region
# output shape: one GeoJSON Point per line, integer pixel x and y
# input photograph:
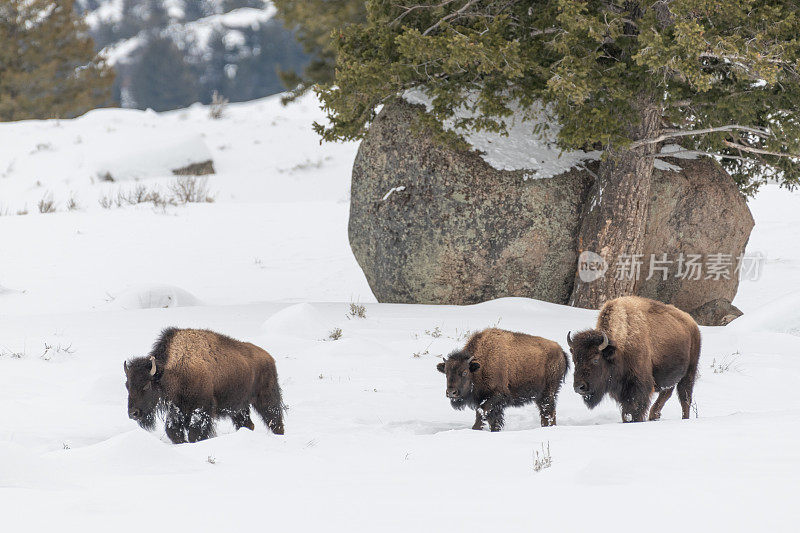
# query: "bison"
{"type": "Point", "coordinates": [498, 368]}
{"type": "Point", "coordinates": [193, 376]}
{"type": "Point", "coordinates": [639, 346]}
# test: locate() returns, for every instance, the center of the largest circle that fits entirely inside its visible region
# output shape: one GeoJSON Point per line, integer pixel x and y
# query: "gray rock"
{"type": "Point", "coordinates": [202, 168]}
{"type": "Point", "coordinates": [719, 312]}
{"type": "Point", "coordinates": [460, 231]}
{"type": "Point", "coordinates": [696, 211]}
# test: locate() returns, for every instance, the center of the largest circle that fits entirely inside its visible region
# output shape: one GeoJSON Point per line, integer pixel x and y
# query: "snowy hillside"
{"type": "Point", "coordinates": [197, 32]}
{"type": "Point", "coordinates": [371, 442]}
{"type": "Point", "coordinates": [168, 54]}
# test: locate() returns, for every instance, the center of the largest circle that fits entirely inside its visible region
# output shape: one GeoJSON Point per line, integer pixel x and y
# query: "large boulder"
{"type": "Point", "coordinates": [431, 223]}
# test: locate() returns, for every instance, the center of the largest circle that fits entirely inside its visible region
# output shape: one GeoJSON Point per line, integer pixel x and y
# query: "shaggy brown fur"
{"type": "Point", "coordinates": [199, 376]}
{"type": "Point", "coordinates": [651, 347]}
{"type": "Point", "coordinates": [498, 368]}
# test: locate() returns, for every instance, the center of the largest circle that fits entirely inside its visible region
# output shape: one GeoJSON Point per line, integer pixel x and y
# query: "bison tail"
{"type": "Point", "coordinates": [566, 366]}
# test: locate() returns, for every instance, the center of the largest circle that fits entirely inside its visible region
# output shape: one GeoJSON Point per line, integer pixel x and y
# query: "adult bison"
{"type": "Point", "coordinates": [498, 368]}
{"type": "Point", "coordinates": [639, 346]}
{"type": "Point", "coordinates": [194, 376]}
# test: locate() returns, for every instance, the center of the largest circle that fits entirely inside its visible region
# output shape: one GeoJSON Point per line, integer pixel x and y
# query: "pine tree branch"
{"type": "Point", "coordinates": [688, 133]}
{"type": "Point", "coordinates": [409, 9]}
{"type": "Point", "coordinates": [546, 31]}
{"type": "Point", "coordinates": [698, 152]}
{"type": "Point", "coordinates": [754, 150]}
{"type": "Point", "coordinates": [453, 15]}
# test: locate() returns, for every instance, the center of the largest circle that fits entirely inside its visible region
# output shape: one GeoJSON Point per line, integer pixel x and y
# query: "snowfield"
{"type": "Point", "coordinates": [371, 442]}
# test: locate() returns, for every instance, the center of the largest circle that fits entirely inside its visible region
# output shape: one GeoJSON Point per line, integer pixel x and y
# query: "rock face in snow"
{"type": "Point", "coordinates": [438, 225]}
{"type": "Point", "coordinates": [696, 211]}
{"type": "Point", "coordinates": [460, 231]}
{"type": "Point", "coordinates": [719, 312]}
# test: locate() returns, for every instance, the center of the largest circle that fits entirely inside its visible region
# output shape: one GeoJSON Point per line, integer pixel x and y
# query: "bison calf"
{"type": "Point", "coordinates": [639, 346]}
{"type": "Point", "coordinates": [499, 368]}
{"type": "Point", "coordinates": [194, 376]}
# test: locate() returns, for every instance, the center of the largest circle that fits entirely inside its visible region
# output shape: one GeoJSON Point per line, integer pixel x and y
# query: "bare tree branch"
{"type": "Point", "coordinates": [453, 15]}
{"type": "Point", "coordinates": [754, 150]}
{"type": "Point", "coordinates": [688, 133]}
{"type": "Point", "coordinates": [409, 9]}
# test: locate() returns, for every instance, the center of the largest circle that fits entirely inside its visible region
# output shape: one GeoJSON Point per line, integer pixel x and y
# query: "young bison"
{"type": "Point", "coordinates": [193, 376]}
{"type": "Point", "coordinates": [499, 368]}
{"type": "Point", "coordinates": [639, 346]}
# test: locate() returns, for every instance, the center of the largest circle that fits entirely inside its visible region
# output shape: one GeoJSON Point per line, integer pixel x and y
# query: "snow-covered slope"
{"type": "Point", "coordinates": [371, 442]}
{"type": "Point", "coordinates": [273, 231]}
{"type": "Point", "coordinates": [193, 33]}
{"type": "Point", "coordinates": [197, 33]}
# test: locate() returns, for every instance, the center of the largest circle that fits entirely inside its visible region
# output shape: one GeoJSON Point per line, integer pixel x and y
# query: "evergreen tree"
{"type": "Point", "coordinates": [195, 9]}
{"type": "Point", "coordinates": [215, 77]}
{"type": "Point", "coordinates": [48, 67]}
{"type": "Point", "coordinates": [230, 5]}
{"type": "Point", "coordinates": [274, 50]}
{"type": "Point", "coordinates": [624, 77]}
{"type": "Point", "coordinates": [157, 17]}
{"type": "Point", "coordinates": [314, 22]}
{"type": "Point", "coordinates": [161, 79]}
{"type": "Point", "coordinates": [131, 21]}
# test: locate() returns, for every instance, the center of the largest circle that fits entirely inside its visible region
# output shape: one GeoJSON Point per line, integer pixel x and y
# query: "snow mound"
{"type": "Point", "coordinates": [781, 316]}
{"type": "Point", "coordinates": [154, 156]}
{"type": "Point", "coordinates": [6, 290]}
{"type": "Point", "coordinates": [300, 320]}
{"type": "Point", "coordinates": [521, 149]}
{"type": "Point", "coordinates": [154, 297]}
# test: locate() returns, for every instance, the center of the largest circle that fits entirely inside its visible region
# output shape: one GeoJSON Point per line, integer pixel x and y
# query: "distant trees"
{"type": "Point", "coordinates": [161, 79]}
{"type": "Point", "coordinates": [48, 66]}
{"type": "Point", "coordinates": [241, 63]}
{"type": "Point", "coordinates": [230, 5]}
{"type": "Point", "coordinates": [196, 9]}
{"type": "Point", "coordinates": [315, 23]}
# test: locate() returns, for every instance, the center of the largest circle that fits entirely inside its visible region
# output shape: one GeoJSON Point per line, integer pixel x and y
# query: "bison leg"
{"type": "Point", "coordinates": [547, 410]}
{"type": "Point", "coordinates": [241, 419]}
{"type": "Point", "coordinates": [201, 425]}
{"type": "Point", "coordinates": [270, 409]}
{"type": "Point", "coordinates": [494, 407]}
{"type": "Point", "coordinates": [633, 412]}
{"type": "Point", "coordinates": [663, 396]}
{"type": "Point", "coordinates": [686, 384]}
{"type": "Point", "coordinates": [495, 418]}
{"type": "Point", "coordinates": [272, 417]}
{"type": "Point", "coordinates": [685, 387]}
{"type": "Point", "coordinates": [175, 425]}
{"type": "Point", "coordinates": [479, 419]}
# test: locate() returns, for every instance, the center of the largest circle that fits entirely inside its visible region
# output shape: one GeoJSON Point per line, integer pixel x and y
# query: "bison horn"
{"type": "Point", "coordinates": [125, 366]}
{"type": "Point", "coordinates": [569, 338]}
{"type": "Point", "coordinates": [153, 368]}
{"type": "Point", "coordinates": [470, 359]}
{"type": "Point", "coordinates": [603, 344]}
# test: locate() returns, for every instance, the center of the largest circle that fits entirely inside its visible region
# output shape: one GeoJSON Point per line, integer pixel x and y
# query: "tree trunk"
{"type": "Point", "coordinates": [615, 215]}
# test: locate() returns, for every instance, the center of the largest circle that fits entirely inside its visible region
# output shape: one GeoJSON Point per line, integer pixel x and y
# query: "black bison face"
{"type": "Point", "coordinates": [459, 368]}
{"type": "Point", "coordinates": [593, 355]}
{"type": "Point", "coordinates": [143, 394]}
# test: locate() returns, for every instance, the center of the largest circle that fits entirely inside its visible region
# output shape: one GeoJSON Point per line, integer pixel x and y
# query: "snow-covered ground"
{"type": "Point", "coordinates": [371, 441]}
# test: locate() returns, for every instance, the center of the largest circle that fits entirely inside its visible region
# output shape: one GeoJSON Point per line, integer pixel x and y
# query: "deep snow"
{"type": "Point", "coordinates": [371, 441]}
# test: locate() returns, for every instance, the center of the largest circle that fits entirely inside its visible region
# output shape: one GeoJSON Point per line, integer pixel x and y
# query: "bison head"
{"type": "Point", "coordinates": [593, 355]}
{"type": "Point", "coordinates": [141, 380]}
{"type": "Point", "coordinates": [459, 368]}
